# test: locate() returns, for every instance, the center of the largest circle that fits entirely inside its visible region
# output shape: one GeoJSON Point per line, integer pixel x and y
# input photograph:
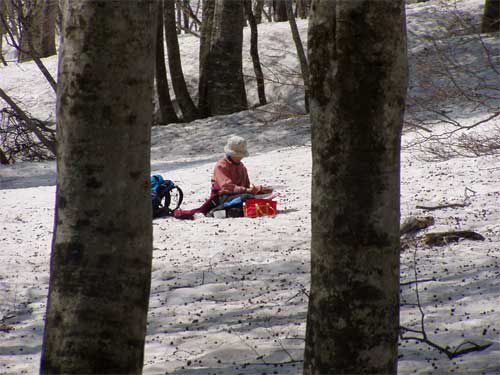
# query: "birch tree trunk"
{"type": "Point", "coordinates": [102, 246]}
{"type": "Point", "coordinates": [357, 62]}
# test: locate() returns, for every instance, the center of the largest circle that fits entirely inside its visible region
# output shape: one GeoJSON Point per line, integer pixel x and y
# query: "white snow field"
{"type": "Point", "coordinates": [229, 296]}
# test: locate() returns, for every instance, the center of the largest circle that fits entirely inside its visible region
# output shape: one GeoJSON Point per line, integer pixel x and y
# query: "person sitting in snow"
{"type": "Point", "coordinates": [230, 177]}
{"type": "Point", "coordinates": [230, 182]}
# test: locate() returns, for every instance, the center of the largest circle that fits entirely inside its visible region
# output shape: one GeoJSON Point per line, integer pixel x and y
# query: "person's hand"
{"type": "Point", "coordinates": [253, 189]}
{"type": "Point", "coordinates": [265, 189]}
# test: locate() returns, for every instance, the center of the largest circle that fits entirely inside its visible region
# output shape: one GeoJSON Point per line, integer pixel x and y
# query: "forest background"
{"type": "Point", "coordinates": [230, 296]}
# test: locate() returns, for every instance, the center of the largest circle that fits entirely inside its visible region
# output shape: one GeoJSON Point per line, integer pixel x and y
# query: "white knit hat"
{"type": "Point", "coordinates": [236, 146]}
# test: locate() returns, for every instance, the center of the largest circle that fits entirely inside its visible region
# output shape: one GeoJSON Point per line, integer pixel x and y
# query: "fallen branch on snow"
{"type": "Point", "coordinates": [443, 238]}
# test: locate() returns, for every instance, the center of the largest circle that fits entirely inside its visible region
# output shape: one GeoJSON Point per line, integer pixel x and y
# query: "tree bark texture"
{"type": "Point", "coordinates": [257, 10]}
{"type": "Point", "coordinates": [279, 9]}
{"type": "Point", "coordinates": [186, 104]}
{"type": "Point", "coordinates": [254, 52]}
{"type": "Point", "coordinates": [222, 88]}
{"type": "Point", "coordinates": [357, 62]}
{"type": "Point", "coordinates": [185, 6]}
{"type": "Point", "coordinates": [301, 9]}
{"type": "Point", "coordinates": [300, 52]}
{"type": "Point", "coordinates": [102, 246]}
{"type": "Point", "coordinates": [38, 35]}
{"type": "Point", "coordinates": [167, 111]}
{"type": "Point", "coordinates": [491, 17]}
{"type": "Point", "coordinates": [3, 17]}
{"type": "Point", "coordinates": [48, 42]}
{"type": "Point", "coordinates": [205, 43]}
{"type": "Point", "coordinates": [178, 10]}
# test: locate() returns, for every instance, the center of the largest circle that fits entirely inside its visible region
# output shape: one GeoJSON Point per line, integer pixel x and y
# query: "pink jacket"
{"type": "Point", "coordinates": [232, 178]}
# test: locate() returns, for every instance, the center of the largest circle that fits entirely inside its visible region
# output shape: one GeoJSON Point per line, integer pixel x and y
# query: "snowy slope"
{"type": "Point", "coordinates": [230, 296]}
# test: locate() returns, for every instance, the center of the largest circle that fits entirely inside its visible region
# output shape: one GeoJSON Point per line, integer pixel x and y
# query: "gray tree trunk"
{"type": "Point", "coordinates": [186, 104]}
{"type": "Point", "coordinates": [207, 26]}
{"type": "Point", "coordinates": [31, 21]}
{"type": "Point", "coordinates": [357, 62]}
{"type": "Point", "coordinates": [167, 111]}
{"type": "Point", "coordinates": [38, 35]}
{"type": "Point", "coordinates": [254, 52]}
{"type": "Point", "coordinates": [222, 88]}
{"type": "Point", "coordinates": [185, 6]}
{"type": "Point", "coordinates": [102, 245]}
{"type": "Point", "coordinates": [301, 9]}
{"type": "Point", "coordinates": [48, 35]}
{"type": "Point", "coordinates": [300, 52]}
{"type": "Point", "coordinates": [3, 18]}
{"type": "Point", "coordinates": [178, 10]}
{"type": "Point", "coordinates": [491, 17]}
{"type": "Point", "coordinates": [279, 9]}
{"type": "Point", "coordinates": [257, 10]}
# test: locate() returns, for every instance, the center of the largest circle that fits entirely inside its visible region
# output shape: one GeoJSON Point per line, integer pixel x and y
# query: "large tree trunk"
{"type": "Point", "coordinates": [358, 87]}
{"type": "Point", "coordinates": [167, 111]}
{"type": "Point", "coordinates": [491, 17]}
{"type": "Point", "coordinates": [300, 52]}
{"type": "Point", "coordinates": [102, 246]}
{"type": "Point", "coordinates": [188, 109]}
{"type": "Point", "coordinates": [222, 88]}
{"type": "Point", "coordinates": [254, 52]}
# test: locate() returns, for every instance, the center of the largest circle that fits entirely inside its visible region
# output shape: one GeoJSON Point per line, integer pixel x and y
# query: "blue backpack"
{"type": "Point", "coordinates": [166, 196]}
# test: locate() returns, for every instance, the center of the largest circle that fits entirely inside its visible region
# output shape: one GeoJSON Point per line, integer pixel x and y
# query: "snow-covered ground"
{"type": "Point", "coordinates": [229, 296]}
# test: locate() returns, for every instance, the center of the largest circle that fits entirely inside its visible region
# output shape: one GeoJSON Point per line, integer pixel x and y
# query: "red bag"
{"type": "Point", "coordinates": [259, 207]}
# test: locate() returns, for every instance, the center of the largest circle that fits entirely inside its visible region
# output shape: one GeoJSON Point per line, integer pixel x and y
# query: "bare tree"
{"type": "Point", "coordinates": [279, 9]}
{"type": "Point", "coordinates": [3, 11]}
{"type": "Point", "coordinates": [300, 51]}
{"type": "Point", "coordinates": [167, 111]}
{"type": "Point", "coordinates": [188, 109]}
{"type": "Point", "coordinates": [302, 9]}
{"type": "Point", "coordinates": [37, 19]}
{"type": "Point", "coordinates": [257, 10]}
{"type": "Point", "coordinates": [40, 130]}
{"type": "Point", "coordinates": [445, 85]}
{"type": "Point", "coordinates": [357, 59]}
{"type": "Point", "coordinates": [102, 246]}
{"type": "Point", "coordinates": [221, 84]}
{"type": "Point", "coordinates": [254, 52]}
{"type": "Point", "coordinates": [13, 20]}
